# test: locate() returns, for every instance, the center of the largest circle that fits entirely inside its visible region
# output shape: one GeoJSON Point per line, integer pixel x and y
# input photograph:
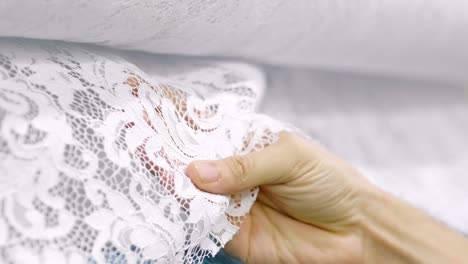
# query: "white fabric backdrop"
{"type": "Point", "coordinates": [424, 38]}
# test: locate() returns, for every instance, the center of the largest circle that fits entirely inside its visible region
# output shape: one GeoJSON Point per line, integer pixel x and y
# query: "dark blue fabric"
{"type": "Point", "coordinates": [221, 258]}
{"type": "Point", "coordinates": [115, 257]}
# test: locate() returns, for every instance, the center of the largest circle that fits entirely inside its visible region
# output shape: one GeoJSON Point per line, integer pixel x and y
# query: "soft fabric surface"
{"type": "Point", "coordinates": [403, 37]}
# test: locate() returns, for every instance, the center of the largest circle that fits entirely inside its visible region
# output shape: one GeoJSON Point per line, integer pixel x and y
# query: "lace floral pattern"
{"type": "Point", "coordinates": [93, 153]}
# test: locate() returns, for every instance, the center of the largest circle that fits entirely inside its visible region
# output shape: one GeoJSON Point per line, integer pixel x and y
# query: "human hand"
{"type": "Point", "coordinates": [307, 208]}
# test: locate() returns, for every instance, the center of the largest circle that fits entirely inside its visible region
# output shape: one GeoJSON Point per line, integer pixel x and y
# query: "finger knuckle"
{"type": "Point", "coordinates": [240, 166]}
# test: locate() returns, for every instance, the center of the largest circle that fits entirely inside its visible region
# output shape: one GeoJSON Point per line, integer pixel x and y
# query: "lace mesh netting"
{"type": "Point", "coordinates": [93, 153]}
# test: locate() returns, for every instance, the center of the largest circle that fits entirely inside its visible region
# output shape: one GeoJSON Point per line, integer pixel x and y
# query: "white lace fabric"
{"type": "Point", "coordinates": [93, 153]}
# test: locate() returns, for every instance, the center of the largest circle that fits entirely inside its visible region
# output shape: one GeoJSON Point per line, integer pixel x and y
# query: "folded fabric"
{"type": "Point", "coordinates": [410, 38]}
{"type": "Point", "coordinates": [93, 152]}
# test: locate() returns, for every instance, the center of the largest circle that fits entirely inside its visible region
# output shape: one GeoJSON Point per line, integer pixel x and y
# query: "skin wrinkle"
{"type": "Point", "coordinates": [266, 209]}
{"type": "Point", "coordinates": [319, 206]}
{"type": "Point", "coordinates": [250, 239]}
{"type": "Point", "coordinates": [277, 239]}
{"type": "Point", "coordinates": [264, 195]}
{"type": "Point", "coordinates": [279, 235]}
{"type": "Point", "coordinates": [240, 166]}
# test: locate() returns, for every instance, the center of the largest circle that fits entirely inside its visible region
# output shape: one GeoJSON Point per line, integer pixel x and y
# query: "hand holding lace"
{"type": "Point", "coordinates": [315, 208]}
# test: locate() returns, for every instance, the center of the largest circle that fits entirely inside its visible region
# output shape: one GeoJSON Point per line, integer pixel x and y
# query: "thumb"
{"type": "Point", "coordinates": [272, 165]}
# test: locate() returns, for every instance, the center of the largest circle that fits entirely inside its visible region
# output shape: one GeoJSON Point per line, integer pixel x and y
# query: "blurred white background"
{"type": "Point", "coordinates": [410, 137]}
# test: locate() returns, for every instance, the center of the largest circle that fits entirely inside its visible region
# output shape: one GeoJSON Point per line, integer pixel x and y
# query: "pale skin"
{"type": "Point", "coordinates": [315, 208]}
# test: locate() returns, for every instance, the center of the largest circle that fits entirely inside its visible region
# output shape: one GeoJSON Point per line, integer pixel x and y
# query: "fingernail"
{"type": "Point", "coordinates": [207, 171]}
